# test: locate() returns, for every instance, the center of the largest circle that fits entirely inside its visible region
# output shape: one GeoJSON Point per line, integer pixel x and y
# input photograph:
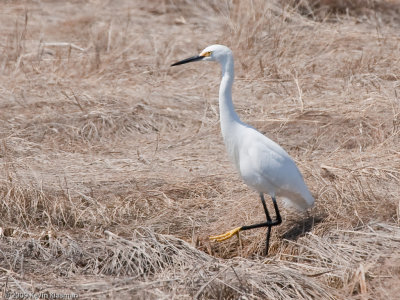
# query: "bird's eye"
{"type": "Point", "coordinates": [207, 54]}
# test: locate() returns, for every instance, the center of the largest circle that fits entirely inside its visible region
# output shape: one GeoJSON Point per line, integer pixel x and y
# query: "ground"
{"type": "Point", "coordinates": [114, 173]}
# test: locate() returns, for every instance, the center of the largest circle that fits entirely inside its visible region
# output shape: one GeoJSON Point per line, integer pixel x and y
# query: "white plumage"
{"type": "Point", "coordinates": [263, 165]}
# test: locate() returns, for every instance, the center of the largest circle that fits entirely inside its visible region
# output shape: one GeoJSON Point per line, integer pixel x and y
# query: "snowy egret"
{"type": "Point", "coordinates": [263, 165]}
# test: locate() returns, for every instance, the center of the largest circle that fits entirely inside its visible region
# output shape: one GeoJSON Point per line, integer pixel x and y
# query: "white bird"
{"type": "Point", "coordinates": [263, 165]}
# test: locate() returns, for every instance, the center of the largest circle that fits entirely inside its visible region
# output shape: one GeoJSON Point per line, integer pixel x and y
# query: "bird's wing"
{"type": "Point", "coordinates": [264, 163]}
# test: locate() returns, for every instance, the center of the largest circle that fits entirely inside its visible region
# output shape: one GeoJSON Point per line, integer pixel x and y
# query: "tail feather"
{"type": "Point", "coordinates": [300, 202]}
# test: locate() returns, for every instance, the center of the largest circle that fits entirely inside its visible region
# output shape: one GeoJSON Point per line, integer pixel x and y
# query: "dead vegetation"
{"type": "Point", "coordinates": [114, 174]}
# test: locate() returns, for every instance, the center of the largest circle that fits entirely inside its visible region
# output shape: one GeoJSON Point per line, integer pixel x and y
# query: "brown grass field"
{"type": "Point", "coordinates": [114, 173]}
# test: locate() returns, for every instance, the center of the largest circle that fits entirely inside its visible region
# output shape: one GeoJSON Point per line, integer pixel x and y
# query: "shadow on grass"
{"type": "Point", "coordinates": [299, 228]}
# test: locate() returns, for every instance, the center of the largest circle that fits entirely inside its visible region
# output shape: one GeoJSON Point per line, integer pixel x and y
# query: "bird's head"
{"type": "Point", "coordinates": [217, 53]}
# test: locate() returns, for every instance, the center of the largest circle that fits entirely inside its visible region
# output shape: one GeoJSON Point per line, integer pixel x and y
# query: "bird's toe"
{"type": "Point", "coordinates": [226, 235]}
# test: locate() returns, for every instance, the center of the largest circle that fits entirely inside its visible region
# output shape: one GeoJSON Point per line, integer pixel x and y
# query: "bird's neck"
{"type": "Point", "coordinates": [228, 115]}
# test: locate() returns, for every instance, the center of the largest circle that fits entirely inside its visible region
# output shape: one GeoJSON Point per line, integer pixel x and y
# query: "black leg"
{"type": "Point", "coordinates": [265, 208]}
{"type": "Point", "coordinates": [269, 222]}
{"type": "Point", "coordinates": [278, 215]}
{"type": "Point", "coordinates": [267, 240]}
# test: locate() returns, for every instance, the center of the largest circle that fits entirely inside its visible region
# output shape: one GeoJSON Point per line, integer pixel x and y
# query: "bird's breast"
{"type": "Point", "coordinates": [232, 151]}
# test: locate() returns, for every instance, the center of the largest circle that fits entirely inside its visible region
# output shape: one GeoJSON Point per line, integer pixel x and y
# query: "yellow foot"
{"type": "Point", "coordinates": [226, 235]}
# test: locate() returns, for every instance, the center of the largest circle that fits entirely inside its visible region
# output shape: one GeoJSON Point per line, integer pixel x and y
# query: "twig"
{"type": "Point", "coordinates": [237, 276]}
{"type": "Point", "coordinates": [296, 80]}
{"type": "Point", "coordinates": [63, 44]}
{"type": "Point", "coordinates": [208, 282]}
{"type": "Point", "coordinates": [385, 236]}
{"type": "Point", "coordinates": [130, 287]}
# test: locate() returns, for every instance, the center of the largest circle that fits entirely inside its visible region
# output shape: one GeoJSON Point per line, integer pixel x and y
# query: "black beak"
{"type": "Point", "coordinates": [188, 60]}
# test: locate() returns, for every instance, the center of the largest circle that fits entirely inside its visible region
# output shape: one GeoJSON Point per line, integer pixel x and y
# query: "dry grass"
{"type": "Point", "coordinates": [114, 174]}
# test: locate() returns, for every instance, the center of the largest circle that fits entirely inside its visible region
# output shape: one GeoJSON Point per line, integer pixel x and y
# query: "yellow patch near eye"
{"type": "Point", "coordinates": [206, 54]}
